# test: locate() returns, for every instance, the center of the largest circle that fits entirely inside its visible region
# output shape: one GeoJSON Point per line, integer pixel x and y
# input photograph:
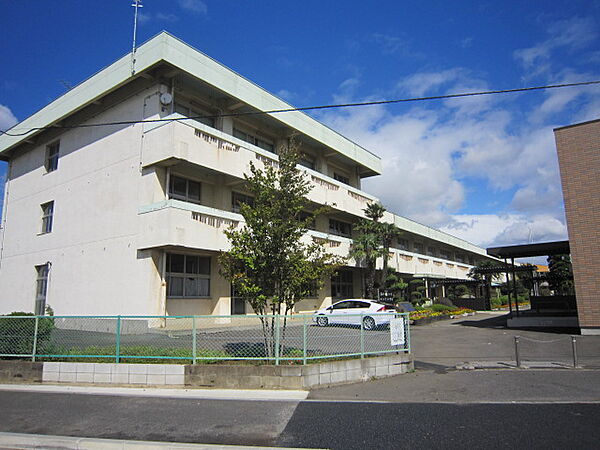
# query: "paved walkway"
{"type": "Point", "coordinates": [483, 337]}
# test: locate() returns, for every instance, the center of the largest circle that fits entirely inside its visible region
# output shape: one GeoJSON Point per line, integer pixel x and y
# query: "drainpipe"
{"type": "Point", "coordinates": [5, 209]}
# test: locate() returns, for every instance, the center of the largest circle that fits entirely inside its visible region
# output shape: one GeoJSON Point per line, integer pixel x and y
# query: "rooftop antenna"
{"type": "Point", "coordinates": [136, 4]}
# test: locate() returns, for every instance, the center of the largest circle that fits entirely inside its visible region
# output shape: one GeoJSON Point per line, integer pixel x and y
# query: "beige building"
{"type": "Point", "coordinates": [124, 213]}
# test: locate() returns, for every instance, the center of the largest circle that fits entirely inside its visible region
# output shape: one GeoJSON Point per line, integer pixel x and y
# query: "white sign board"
{"type": "Point", "coordinates": [397, 336]}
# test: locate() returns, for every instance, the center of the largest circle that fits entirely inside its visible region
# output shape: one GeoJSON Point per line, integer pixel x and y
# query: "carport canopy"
{"type": "Point", "coordinates": [530, 250]}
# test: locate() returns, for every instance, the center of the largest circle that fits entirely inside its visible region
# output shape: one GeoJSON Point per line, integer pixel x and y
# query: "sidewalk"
{"type": "Point", "coordinates": [439, 384]}
{"type": "Point", "coordinates": [36, 441]}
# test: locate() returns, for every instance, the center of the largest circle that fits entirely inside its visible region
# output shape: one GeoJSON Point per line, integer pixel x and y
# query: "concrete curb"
{"type": "Point", "coordinates": [213, 394]}
{"type": "Point", "coordinates": [28, 441]}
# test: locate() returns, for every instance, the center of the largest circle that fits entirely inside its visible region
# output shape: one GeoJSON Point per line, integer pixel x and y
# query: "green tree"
{"type": "Point", "coordinates": [268, 264]}
{"type": "Point", "coordinates": [395, 284]}
{"type": "Point", "coordinates": [456, 291]}
{"type": "Point", "coordinates": [417, 291]}
{"type": "Point", "coordinates": [560, 275]}
{"type": "Point", "coordinates": [487, 277]}
{"type": "Point", "coordinates": [373, 240]}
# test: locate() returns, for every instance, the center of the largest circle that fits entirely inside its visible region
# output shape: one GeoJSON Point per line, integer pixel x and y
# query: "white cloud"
{"type": "Point", "coordinates": [286, 95]}
{"type": "Point", "coordinates": [571, 34]}
{"type": "Point", "coordinates": [195, 6]}
{"type": "Point", "coordinates": [145, 18]}
{"type": "Point", "coordinates": [421, 83]}
{"type": "Point", "coordinates": [436, 153]}
{"type": "Point", "coordinates": [167, 17]}
{"type": "Point", "coordinates": [7, 118]}
{"type": "Point", "coordinates": [497, 229]}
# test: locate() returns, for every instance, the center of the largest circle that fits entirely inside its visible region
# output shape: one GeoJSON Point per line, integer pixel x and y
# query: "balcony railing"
{"type": "Point", "coordinates": [205, 146]}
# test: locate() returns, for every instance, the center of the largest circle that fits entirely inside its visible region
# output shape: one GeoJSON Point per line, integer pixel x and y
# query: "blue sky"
{"type": "Point", "coordinates": [483, 168]}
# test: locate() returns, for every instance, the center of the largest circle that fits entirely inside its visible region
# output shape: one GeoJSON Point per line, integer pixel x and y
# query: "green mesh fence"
{"type": "Point", "coordinates": [200, 339]}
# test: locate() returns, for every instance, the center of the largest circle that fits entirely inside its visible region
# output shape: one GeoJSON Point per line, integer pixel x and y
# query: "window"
{"type": "Point", "coordinates": [198, 114]}
{"type": "Point", "coordinates": [311, 290]}
{"type": "Point", "coordinates": [342, 305]}
{"type": "Point", "coordinates": [341, 178]}
{"type": "Point", "coordinates": [237, 199]}
{"type": "Point", "coordinates": [419, 248]}
{"type": "Point", "coordinates": [306, 216]}
{"type": "Point", "coordinates": [263, 143]}
{"type": "Point", "coordinates": [307, 160]}
{"type": "Point", "coordinates": [431, 251]}
{"type": "Point", "coordinates": [47, 214]}
{"type": "Point", "coordinates": [342, 284]}
{"type": "Point", "coordinates": [238, 305]}
{"type": "Point", "coordinates": [340, 228]}
{"type": "Point", "coordinates": [402, 244]}
{"type": "Point", "coordinates": [184, 189]}
{"type": "Point", "coordinates": [188, 276]}
{"type": "Point", "coordinates": [41, 288]}
{"type": "Point", "coordinates": [444, 254]}
{"type": "Point", "coordinates": [52, 152]}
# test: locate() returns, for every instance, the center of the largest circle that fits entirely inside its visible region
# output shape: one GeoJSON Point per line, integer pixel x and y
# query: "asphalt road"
{"type": "Point", "coordinates": [314, 424]}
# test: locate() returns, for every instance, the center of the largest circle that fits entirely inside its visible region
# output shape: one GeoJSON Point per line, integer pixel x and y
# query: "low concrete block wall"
{"type": "Point", "coordinates": [297, 377]}
{"type": "Point", "coordinates": [20, 372]}
{"type": "Point", "coordinates": [208, 375]}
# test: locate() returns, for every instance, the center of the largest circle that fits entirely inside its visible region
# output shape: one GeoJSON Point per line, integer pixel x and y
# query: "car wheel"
{"type": "Point", "coordinates": [369, 323]}
{"type": "Point", "coordinates": [322, 321]}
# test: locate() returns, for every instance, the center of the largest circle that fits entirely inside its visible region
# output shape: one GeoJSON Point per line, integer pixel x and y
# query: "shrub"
{"type": "Point", "coordinates": [442, 308]}
{"type": "Point", "coordinates": [150, 353]}
{"type": "Point", "coordinates": [445, 301]}
{"type": "Point", "coordinates": [17, 333]}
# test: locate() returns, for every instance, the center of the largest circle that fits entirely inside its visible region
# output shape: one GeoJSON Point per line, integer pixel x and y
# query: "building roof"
{"type": "Point", "coordinates": [530, 250]}
{"type": "Point", "coordinates": [577, 124]}
{"type": "Point", "coordinates": [166, 48]}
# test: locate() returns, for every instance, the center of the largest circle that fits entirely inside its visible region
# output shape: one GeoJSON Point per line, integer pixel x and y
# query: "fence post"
{"type": "Point", "coordinates": [304, 350]}
{"type": "Point", "coordinates": [118, 343]}
{"type": "Point", "coordinates": [35, 338]}
{"type": "Point", "coordinates": [277, 337]}
{"type": "Point", "coordinates": [574, 347]}
{"type": "Point", "coordinates": [517, 357]}
{"type": "Point", "coordinates": [362, 337]}
{"type": "Point", "coordinates": [194, 354]}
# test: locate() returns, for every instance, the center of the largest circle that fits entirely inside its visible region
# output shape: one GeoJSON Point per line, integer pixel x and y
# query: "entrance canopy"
{"type": "Point", "coordinates": [530, 250]}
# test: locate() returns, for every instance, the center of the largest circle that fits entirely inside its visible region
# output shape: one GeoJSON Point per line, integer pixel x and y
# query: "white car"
{"type": "Point", "coordinates": [351, 311]}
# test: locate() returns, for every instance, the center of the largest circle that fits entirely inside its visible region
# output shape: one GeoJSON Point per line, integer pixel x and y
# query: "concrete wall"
{"type": "Point", "coordinates": [321, 374]}
{"type": "Point", "coordinates": [96, 267]}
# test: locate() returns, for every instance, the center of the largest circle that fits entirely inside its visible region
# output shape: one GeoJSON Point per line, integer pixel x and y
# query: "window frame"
{"type": "Point", "coordinates": [41, 288]}
{"type": "Point", "coordinates": [47, 217]}
{"type": "Point", "coordinates": [184, 198]}
{"type": "Point", "coordinates": [263, 142]}
{"type": "Point", "coordinates": [341, 178]}
{"type": "Point", "coordinates": [337, 231]}
{"type": "Point", "coordinates": [186, 275]}
{"type": "Point", "coordinates": [194, 113]}
{"type": "Point", "coordinates": [345, 287]}
{"type": "Point", "coordinates": [235, 204]}
{"type": "Point", "coordinates": [52, 156]}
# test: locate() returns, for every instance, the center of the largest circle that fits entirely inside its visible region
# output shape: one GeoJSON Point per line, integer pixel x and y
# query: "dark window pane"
{"type": "Point", "coordinates": [178, 187]}
{"type": "Point", "coordinates": [191, 264]}
{"type": "Point", "coordinates": [204, 266]}
{"type": "Point", "coordinates": [176, 263]}
{"type": "Point", "coordinates": [194, 191]}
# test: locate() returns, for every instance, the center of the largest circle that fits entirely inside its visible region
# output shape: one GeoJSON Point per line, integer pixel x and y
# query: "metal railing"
{"type": "Point", "coordinates": [206, 339]}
